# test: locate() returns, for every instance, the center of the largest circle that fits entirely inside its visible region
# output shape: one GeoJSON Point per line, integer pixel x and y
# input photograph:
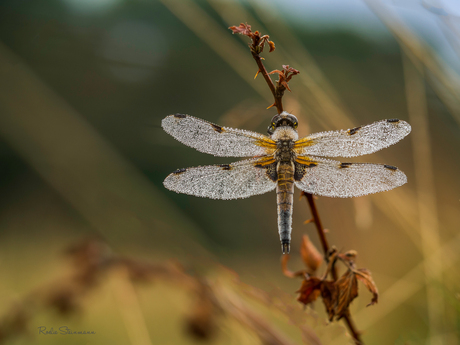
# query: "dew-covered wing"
{"type": "Point", "coordinates": [355, 141]}
{"type": "Point", "coordinates": [216, 140]}
{"type": "Point", "coordinates": [343, 180]}
{"type": "Point", "coordinates": [225, 181]}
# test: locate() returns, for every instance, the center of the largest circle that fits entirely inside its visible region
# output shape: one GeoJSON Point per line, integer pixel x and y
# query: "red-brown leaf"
{"type": "Point", "coordinates": [349, 256]}
{"type": "Point", "coordinates": [310, 255]}
{"type": "Point", "coordinates": [329, 295]}
{"type": "Point", "coordinates": [310, 290]}
{"type": "Point", "coordinates": [347, 288]}
{"type": "Point", "coordinates": [277, 71]}
{"type": "Point", "coordinates": [285, 84]}
{"type": "Point", "coordinates": [288, 273]}
{"type": "Point", "coordinates": [365, 276]}
{"type": "Point", "coordinates": [243, 29]}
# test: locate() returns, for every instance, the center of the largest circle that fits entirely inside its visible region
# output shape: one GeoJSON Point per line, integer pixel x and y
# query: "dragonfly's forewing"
{"type": "Point", "coordinates": [354, 142]}
{"type": "Point", "coordinates": [220, 141]}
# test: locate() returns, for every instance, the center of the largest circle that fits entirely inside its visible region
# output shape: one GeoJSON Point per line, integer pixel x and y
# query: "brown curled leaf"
{"type": "Point", "coordinates": [271, 45]}
{"type": "Point", "coordinates": [200, 322]}
{"type": "Point", "coordinates": [285, 76]}
{"type": "Point", "coordinates": [348, 257]}
{"type": "Point", "coordinates": [285, 84]}
{"type": "Point", "coordinates": [347, 288]}
{"type": "Point", "coordinates": [286, 271]}
{"type": "Point", "coordinates": [310, 290]}
{"type": "Point", "coordinates": [364, 275]}
{"type": "Point", "coordinates": [284, 261]}
{"type": "Point", "coordinates": [329, 296]}
{"type": "Point", "coordinates": [310, 255]}
{"type": "Point", "coordinates": [243, 29]}
{"type": "Point", "coordinates": [277, 71]}
{"type": "Point", "coordinates": [289, 72]}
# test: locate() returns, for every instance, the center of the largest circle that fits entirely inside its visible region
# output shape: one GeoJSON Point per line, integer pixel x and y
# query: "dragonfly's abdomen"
{"type": "Point", "coordinates": [285, 199]}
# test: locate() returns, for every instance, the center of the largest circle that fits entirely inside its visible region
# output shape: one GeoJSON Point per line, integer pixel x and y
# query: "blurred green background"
{"type": "Point", "coordinates": [84, 85]}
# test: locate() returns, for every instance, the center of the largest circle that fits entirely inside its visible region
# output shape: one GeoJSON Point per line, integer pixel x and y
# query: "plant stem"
{"type": "Point", "coordinates": [278, 91]}
{"type": "Point", "coordinates": [278, 98]}
{"type": "Point", "coordinates": [322, 236]}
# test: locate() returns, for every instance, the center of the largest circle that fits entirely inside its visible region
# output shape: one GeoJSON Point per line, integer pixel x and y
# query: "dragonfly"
{"type": "Point", "coordinates": [281, 160]}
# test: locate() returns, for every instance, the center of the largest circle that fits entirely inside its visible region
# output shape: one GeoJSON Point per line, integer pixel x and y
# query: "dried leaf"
{"type": "Point", "coordinates": [347, 288]}
{"type": "Point", "coordinates": [290, 70]}
{"type": "Point", "coordinates": [310, 290]}
{"type": "Point", "coordinates": [272, 46]}
{"type": "Point", "coordinates": [243, 29]}
{"type": "Point", "coordinates": [285, 84]}
{"type": "Point", "coordinates": [310, 255]}
{"type": "Point", "coordinates": [284, 268]}
{"type": "Point", "coordinates": [285, 75]}
{"type": "Point", "coordinates": [349, 256]}
{"type": "Point", "coordinates": [365, 276]}
{"type": "Point", "coordinates": [277, 71]}
{"type": "Point", "coordinates": [329, 295]}
{"type": "Point", "coordinates": [201, 322]}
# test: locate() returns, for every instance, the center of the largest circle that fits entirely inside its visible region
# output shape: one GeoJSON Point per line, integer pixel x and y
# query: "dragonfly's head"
{"type": "Point", "coordinates": [283, 119]}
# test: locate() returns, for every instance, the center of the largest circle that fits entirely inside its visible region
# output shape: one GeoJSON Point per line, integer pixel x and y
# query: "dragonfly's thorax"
{"type": "Point", "coordinates": [284, 152]}
{"type": "Point", "coordinates": [285, 133]}
{"type": "Point", "coordinates": [284, 137]}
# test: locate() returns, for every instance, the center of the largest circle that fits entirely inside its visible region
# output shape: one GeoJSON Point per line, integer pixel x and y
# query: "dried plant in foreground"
{"type": "Point", "coordinates": [337, 294]}
{"type": "Point", "coordinates": [213, 301]}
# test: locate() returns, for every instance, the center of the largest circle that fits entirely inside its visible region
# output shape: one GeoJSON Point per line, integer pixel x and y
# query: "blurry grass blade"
{"type": "Point", "coordinates": [426, 191]}
{"type": "Point", "coordinates": [447, 81]}
{"type": "Point", "coordinates": [67, 152]}
{"type": "Point", "coordinates": [410, 284]}
{"type": "Point", "coordinates": [130, 309]}
{"type": "Point", "coordinates": [219, 39]}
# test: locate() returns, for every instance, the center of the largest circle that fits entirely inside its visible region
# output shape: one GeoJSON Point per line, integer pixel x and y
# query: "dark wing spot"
{"type": "Point", "coordinates": [270, 171]}
{"type": "Point", "coordinates": [180, 116]}
{"type": "Point", "coordinates": [225, 166]}
{"type": "Point", "coordinates": [393, 120]}
{"type": "Point", "coordinates": [345, 165]}
{"type": "Point", "coordinates": [354, 130]}
{"type": "Point", "coordinates": [217, 128]}
{"type": "Point", "coordinates": [301, 169]}
{"type": "Point", "coordinates": [390, 167]}
{"type": "Point", "coordinates": [179, 171]}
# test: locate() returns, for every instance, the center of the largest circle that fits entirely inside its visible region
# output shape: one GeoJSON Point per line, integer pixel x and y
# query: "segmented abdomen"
{"type": "Point", "coordinates": [285, 199]}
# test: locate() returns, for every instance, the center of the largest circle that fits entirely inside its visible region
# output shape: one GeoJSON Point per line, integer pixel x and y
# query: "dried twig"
{"type": "Point", "coordinates": [257, 45]}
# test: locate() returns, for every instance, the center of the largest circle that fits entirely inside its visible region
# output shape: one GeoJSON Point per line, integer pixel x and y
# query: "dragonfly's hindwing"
{"type": "Point", "coordinates": [335, 179]}
{"type": "Point", "coordinates": [225, 181]}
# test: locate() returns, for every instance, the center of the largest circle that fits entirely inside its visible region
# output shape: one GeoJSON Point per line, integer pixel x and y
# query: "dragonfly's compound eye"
{"type": "Point", "coordinates": [296, 125]}
{"type": "Point", "coordinates": [271, 128]}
